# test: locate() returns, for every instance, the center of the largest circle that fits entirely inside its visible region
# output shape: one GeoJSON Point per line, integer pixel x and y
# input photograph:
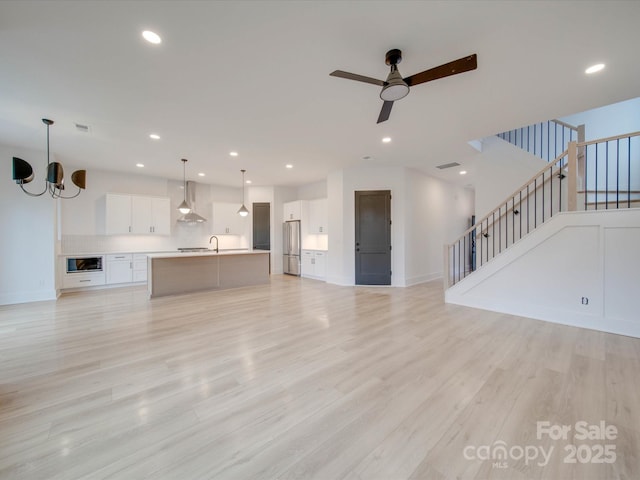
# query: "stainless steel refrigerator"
{"type": "Point", "coordinates": [291, 247]}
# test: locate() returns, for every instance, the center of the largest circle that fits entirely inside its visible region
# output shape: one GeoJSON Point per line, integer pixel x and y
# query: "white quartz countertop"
{"type": "Point", "coordinates": [206, 253]}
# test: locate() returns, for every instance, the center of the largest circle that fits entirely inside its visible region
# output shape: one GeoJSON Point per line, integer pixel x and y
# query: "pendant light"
{"type": "Point", "coordinates": [54, 181]}
{"type": "Point", "coordinates": [243, 212]}
{"type": "Point", "coordinates": [184, 206]}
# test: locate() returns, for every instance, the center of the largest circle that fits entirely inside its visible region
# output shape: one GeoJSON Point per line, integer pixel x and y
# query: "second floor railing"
{"type": "Point", "coordinates": [600, 174]}
{"type": "Point", "coordinates": [545, 140]}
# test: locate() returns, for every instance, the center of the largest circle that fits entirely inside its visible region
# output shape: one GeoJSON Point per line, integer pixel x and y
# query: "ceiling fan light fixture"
{"type": "Point", "coordinates": [395, 87]}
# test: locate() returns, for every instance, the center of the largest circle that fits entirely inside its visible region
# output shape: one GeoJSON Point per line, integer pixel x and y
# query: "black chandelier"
{"type": "Point", "coordinates": [54, 181]}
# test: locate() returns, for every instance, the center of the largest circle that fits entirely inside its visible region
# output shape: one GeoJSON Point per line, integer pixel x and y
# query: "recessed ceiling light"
{"type": "Point", "coordinates": [594, 68]}
{"type": "Point", "coordinates": [154, 136]}
{"type": "Point", "coordinates": [463, 172]}
{"type": "Point", "coordinates": [288, 165]}
{"type": "Point", "coordinates": [151, 37]}
{"type": "Point", "coordinates": [201, 174]}
{"type": "Point", "coordinates": [248, 181]}
{"type": "Point", "coordinates": [139, 165]}
{"type": "Point", "coordinates": [233, 154]}
{"type": "Point", "coordinates": [386, 139]}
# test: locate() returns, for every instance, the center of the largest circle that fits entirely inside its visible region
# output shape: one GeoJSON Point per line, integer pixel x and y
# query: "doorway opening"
{"type": "Point", "coordinates": [262, 226]}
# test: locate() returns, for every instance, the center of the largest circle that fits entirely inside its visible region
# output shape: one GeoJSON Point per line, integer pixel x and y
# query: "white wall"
{"type": "Point", "coordinates": [27, 244]}
{"type": "Point", "coordinates": [591, 254]}
{"type": "Point", "coordinates": [437, 212]}
{"type": "Point", "coordinates": [426, 213]}
{"type": "Point", "coordinates": [313, 191]}
{"type": "Point", "coordinates": [336, 267]}
{"type": "Point", "coordinates": [608, 121]}
{"type": "Point", "coordinates": [501, 168]}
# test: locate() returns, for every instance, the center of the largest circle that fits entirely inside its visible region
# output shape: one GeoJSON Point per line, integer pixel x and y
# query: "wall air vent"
{"type": "Point", "coordinates": [82, 128]}
{"type": "Point", "coordinates": [448, 165]}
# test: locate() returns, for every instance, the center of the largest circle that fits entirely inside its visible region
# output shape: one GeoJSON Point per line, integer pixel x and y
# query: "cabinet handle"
{"type": "Point", "coordinates": [131, 265]}
{"type": "Point", "coordinates": [129, 228]}
{"type": "Point", "coordinates": [83, 281]}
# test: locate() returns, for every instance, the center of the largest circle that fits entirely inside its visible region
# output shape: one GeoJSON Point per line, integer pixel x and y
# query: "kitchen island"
{"type": "Point", "coordinates": [175, 273]}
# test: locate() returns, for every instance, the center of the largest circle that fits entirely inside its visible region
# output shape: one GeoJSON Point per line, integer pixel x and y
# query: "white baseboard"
{"type": "Point", "coordinates": [26, 297]}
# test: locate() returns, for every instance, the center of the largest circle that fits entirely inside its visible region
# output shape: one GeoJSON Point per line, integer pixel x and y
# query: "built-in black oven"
{"type": "Point", "coordinates": [84, 264]}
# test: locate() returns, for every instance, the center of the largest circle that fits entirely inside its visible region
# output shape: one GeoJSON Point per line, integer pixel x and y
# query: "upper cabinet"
{"type": "Point", "coordinates": [226, 220]}
{"type": "Point", "coordinates": [318, 216]}
{"type": "Point", "coordinates": [292, 211]}
{"type": "Point", "coordinates": [135, 214]}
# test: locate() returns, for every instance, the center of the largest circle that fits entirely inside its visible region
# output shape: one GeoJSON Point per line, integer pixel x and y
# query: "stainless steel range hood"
{"type": "Point", "coordinates": [192, 217]}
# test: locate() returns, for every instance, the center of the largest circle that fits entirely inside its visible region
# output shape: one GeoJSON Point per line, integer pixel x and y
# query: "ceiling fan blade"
{"type": "Point", "coordinates": [385, 112]}
{"type": "Point", "coordinates": [452, 68]}
{"type": "Point", "coordinates": [358, 78]}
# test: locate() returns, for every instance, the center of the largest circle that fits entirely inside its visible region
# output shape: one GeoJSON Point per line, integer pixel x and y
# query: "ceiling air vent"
{"type": "Point", "coordinates": [82, 128]}
{"type": "Point", "coordinates": [448, 165]}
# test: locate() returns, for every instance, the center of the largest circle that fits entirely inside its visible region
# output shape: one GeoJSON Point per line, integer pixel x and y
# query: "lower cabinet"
{"type": "Point", "coordinates": [126, 268]}
{"type": "Point", "coordinates": [76, 280]}
{"type": "Point", "coordinates": [314, 264]}
{"type": "Point", "coordinates": [119, 268]}
{"type": "Point", "coordinates": [139, 267]}
{"type": "Point", "coordinates": [116, 268]}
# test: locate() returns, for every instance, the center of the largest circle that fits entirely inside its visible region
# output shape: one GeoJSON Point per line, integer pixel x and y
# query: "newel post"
{"type": "Point", "coordinates": [572, 194]}
{"type": "Point", "coordinates": [446, 274]}
{"type": "Point", "coordinates": [581, 155]}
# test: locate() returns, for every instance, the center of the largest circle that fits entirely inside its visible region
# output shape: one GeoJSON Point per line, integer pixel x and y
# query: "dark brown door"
{"type": "Point", "coordinates": [373, 237]}
{"type": "Point", "coordinates": [261, 226]}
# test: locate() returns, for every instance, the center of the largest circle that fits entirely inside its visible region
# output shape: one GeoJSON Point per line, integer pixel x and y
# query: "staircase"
{"type": "Point", "coordinates": [545, 140]}
{"type": "Point", "coordinates": [596, 175]}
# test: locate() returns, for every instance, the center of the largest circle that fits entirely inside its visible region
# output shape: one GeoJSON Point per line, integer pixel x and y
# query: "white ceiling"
{"type": "Point", "coordinates": [254, 77]}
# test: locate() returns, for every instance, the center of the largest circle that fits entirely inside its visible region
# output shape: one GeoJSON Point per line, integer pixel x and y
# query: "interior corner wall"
{"type": "Point", "coordinates": [436, 212]}
{"type": "Point", "coordinates": [27, 246]}
{"type": "Point", "coordinates": [501, 169]}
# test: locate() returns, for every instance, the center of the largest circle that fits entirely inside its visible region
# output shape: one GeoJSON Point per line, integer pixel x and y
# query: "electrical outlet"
{"type": "Point", "coordinates": [585, 300]}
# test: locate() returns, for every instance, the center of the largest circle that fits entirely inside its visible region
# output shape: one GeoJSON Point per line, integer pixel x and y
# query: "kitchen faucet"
{"type": "Point", "coordinates": [211, 238]}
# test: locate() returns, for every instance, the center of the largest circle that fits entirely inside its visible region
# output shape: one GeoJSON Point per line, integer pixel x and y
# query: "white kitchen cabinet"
{"type": "Point", "coordinates": [226, 220]}
{"type": "Point", "coordinates": [139, 267]}
{"type": "Point", "coordinates": [119, 268]}
{"type": "Point", "coordinates": [306, 263]}
{"type": "Point", "coordinates": [292, 210]}
{"type": "Point", "coordinates": [318, 216]}
{"type": "Point", "coordinates": [320, 265]}
{"type": "Point", "coordinates": [314, 264]}
{"type": "Point", "coordinates": [150, 215]}
{"type": "Point", "coordinates": [118, 214]}
{"type": "Point", "coordinates": [76, 280]}
{"type": "Point", "coordinates": [137, 214]}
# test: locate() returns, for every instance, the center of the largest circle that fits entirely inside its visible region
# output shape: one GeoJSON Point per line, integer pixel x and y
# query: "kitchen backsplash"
{"type": "Point", "coordinates": [183, 237]}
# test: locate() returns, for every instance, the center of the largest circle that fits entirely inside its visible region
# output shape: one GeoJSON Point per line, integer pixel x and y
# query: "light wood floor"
{"type": "Point", "coordinates": [299, 379]}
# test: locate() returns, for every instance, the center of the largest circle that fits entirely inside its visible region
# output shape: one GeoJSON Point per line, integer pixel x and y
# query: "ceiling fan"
{"type": "Point", "coordinates": [395, 87]}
